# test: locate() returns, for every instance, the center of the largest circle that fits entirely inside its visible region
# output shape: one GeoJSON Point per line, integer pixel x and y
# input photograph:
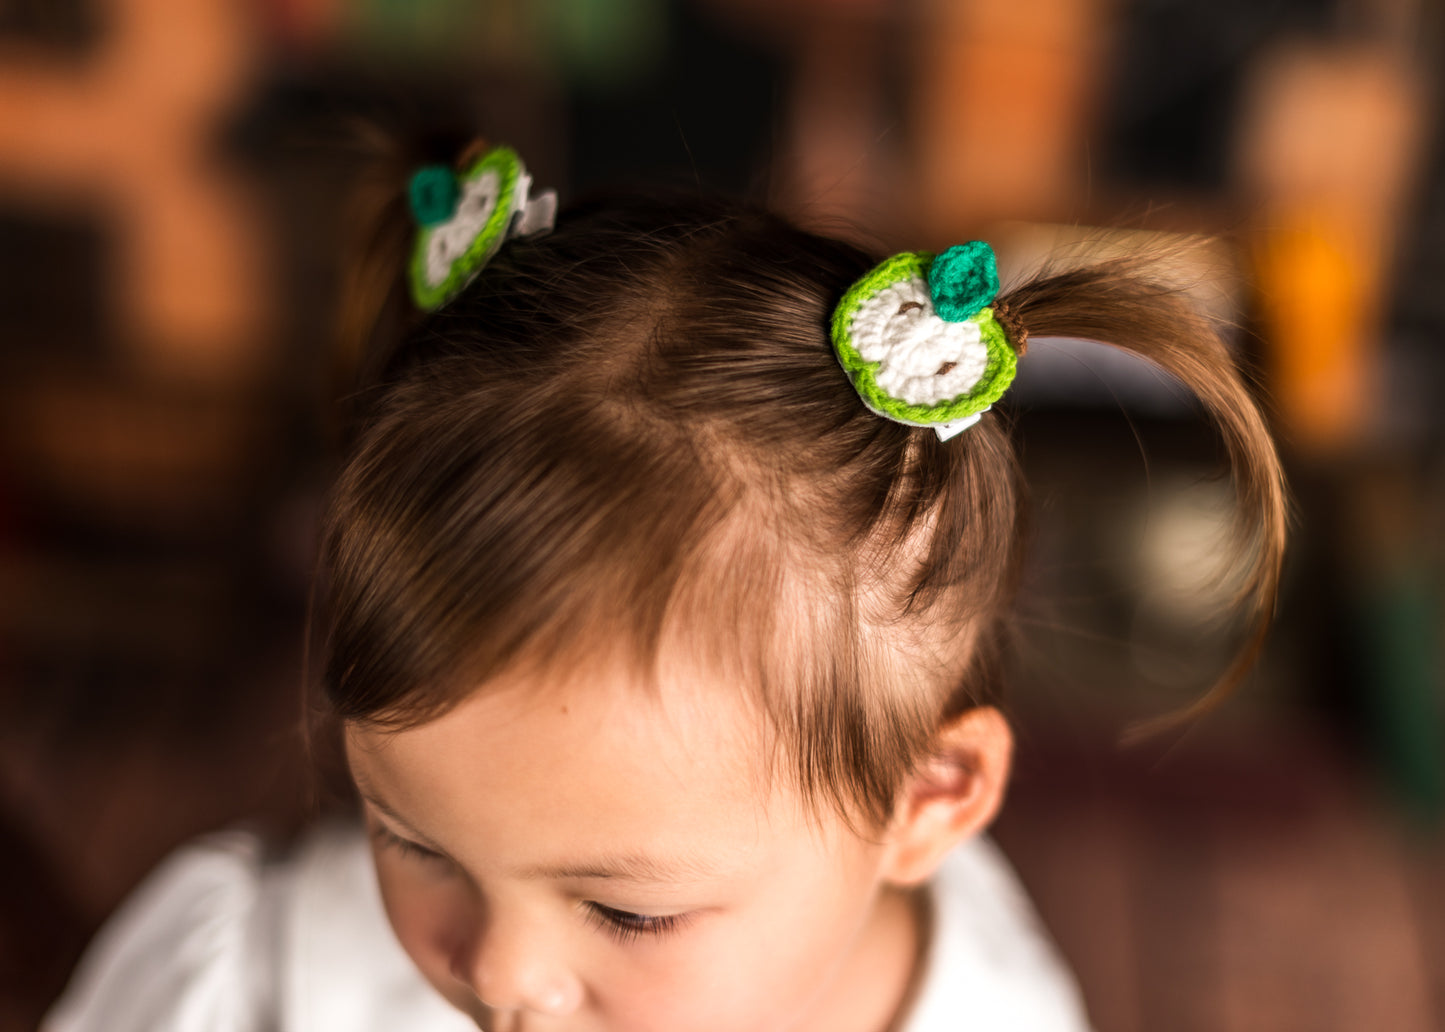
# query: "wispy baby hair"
{"type": "Point", "coordinates": [631, 435]}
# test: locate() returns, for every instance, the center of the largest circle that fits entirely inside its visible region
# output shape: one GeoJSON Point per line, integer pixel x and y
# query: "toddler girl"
{"type": "Point", "coordinates": [668, 581]}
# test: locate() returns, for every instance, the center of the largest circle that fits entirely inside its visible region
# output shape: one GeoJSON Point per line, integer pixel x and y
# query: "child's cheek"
{"type": "Point", "coordinates": [664, 987]}
{"type": "Point", "coordinates": [430, 919]}
{"type": "Point", "coordinates": [698, 982]}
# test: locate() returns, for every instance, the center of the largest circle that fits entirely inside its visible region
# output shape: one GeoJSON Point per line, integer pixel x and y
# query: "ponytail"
{"type": "Point", "coordinates": [1116, 304]}
{"type": "Point", "coordinates": [375, 312]}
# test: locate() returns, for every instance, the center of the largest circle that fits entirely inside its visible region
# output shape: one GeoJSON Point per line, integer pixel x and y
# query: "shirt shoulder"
{"type": "Point", "coordinates": [223, 938]}
{"type": "Point", "coordinates": [990, 964]}
{"type": "Point", "coordinates": [184, 952]}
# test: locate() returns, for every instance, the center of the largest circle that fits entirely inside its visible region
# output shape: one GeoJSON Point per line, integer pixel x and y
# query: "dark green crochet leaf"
{"type": "Point", "coordinates": [963, 280]}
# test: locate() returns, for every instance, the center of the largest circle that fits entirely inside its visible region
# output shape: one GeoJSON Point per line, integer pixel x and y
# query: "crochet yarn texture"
{"type": "Point", "coordinates": [449, 252]}
{"type": "Point", "coordinates": [919, 342]}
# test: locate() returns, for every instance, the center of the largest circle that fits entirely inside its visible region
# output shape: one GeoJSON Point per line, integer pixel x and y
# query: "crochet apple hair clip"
{"type": "Point", "coordinates": [465, 216]}
{"type": "Point", "coordinates": [920, 342]}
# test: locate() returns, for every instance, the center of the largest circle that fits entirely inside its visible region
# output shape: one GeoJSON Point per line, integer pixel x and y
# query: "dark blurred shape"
{"type": "Point", "coordinates": [1173, 85]}
{"type": "Point", "coordinates": [701, 112]}
{"type": "Point", "coordinates": [53, 304]}
{"type": "Point", "coordinates": [33, 967]}
{"type": "Point", "coordinates": [68, 26]}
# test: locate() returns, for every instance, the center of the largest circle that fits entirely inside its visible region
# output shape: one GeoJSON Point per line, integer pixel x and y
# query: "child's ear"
{"type": "Point", "coordinates": [952, 796]}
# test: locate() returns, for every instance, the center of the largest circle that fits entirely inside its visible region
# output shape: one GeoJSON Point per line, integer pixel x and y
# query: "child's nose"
{"type": "Point", "coordinates": [511, 967]}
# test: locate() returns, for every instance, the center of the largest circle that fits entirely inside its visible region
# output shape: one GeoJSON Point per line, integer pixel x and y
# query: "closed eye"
{"type": "Point", "coordinates": [626, 926]}
{"type": "Point", "coordinates": [909, 306]}
{"type": "Point", "coordinates": [389, 839]}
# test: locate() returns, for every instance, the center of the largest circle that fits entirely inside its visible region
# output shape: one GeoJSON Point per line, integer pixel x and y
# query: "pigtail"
{"type": "Point", "coordinates": [378, 235]}
{"type": "Point", "coordinates": [1113, 303]}
{"type": "Point", "coordinates": [376, 313]}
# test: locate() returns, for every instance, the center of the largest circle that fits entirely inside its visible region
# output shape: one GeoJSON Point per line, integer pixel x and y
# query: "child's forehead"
{"type": "Point", "coordinates": [563, 745]}
{"type": "Point", "coordinates": [677, 687]}
{"type": "Point", "coordinates": [512, 792]}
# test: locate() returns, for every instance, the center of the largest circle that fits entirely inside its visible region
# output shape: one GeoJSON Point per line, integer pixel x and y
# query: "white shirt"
{"type": "Point", "coordinates": [218, 939]}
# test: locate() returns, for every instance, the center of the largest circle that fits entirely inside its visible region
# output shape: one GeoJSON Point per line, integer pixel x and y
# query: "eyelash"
{"type": "Point", "coordinates": [625, 926]}
{"type": "Point", "coordinates": [622, 925]}
{"type": "Point", "coordinates": [405, 847]}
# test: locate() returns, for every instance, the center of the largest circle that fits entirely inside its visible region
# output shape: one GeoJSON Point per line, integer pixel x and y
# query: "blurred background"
{"type": "Point", "coordinates": [172, 175]}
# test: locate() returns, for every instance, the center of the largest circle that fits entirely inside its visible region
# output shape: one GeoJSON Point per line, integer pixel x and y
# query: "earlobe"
{"type": "Point", "coordinates": [953, 795]}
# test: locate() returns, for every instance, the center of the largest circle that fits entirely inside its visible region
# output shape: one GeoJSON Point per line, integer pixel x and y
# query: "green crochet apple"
{"type": "Point", "coordinates": [465, 217]}
{"type": "Point", "coordinates": [919, 341]}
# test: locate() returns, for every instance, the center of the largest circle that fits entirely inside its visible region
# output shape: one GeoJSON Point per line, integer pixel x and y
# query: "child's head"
{"type": "Point", "coordinates": [629, 438]}
{"type": "Point", "coordinates": [622, 573]}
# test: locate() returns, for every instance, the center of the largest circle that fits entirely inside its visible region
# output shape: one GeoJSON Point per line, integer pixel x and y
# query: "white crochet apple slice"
{"type": "Point", "coordinates": [465, 218]}
{"type": "Point", "coordinates": [919, 342]}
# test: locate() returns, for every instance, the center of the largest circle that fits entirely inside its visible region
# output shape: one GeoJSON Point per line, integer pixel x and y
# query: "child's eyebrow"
{"type": "Point", "coordinates": [364, 789]}
{"type": "Point", "coordinates": [635, 867]}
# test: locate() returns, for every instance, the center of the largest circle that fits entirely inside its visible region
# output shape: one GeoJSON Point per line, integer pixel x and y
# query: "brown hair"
{"type": "Point", "coordinates": [633, 430]}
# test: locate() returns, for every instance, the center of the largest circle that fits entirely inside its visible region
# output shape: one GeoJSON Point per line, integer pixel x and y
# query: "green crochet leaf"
{"type": "Point", "coordinates": [483, 245]}
{"type": "Point", "coordinates": [997, 376]}
{"type": "Point", "coordinates": [963, 280]}
{"type": "Point", "coordinates": [433, 194]}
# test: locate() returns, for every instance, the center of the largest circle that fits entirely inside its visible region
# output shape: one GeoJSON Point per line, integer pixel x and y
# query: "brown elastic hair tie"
{"type": "Point", "coordinates": [471, 153]}
{"type": "Point", "coordinates": [1013, 327]}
